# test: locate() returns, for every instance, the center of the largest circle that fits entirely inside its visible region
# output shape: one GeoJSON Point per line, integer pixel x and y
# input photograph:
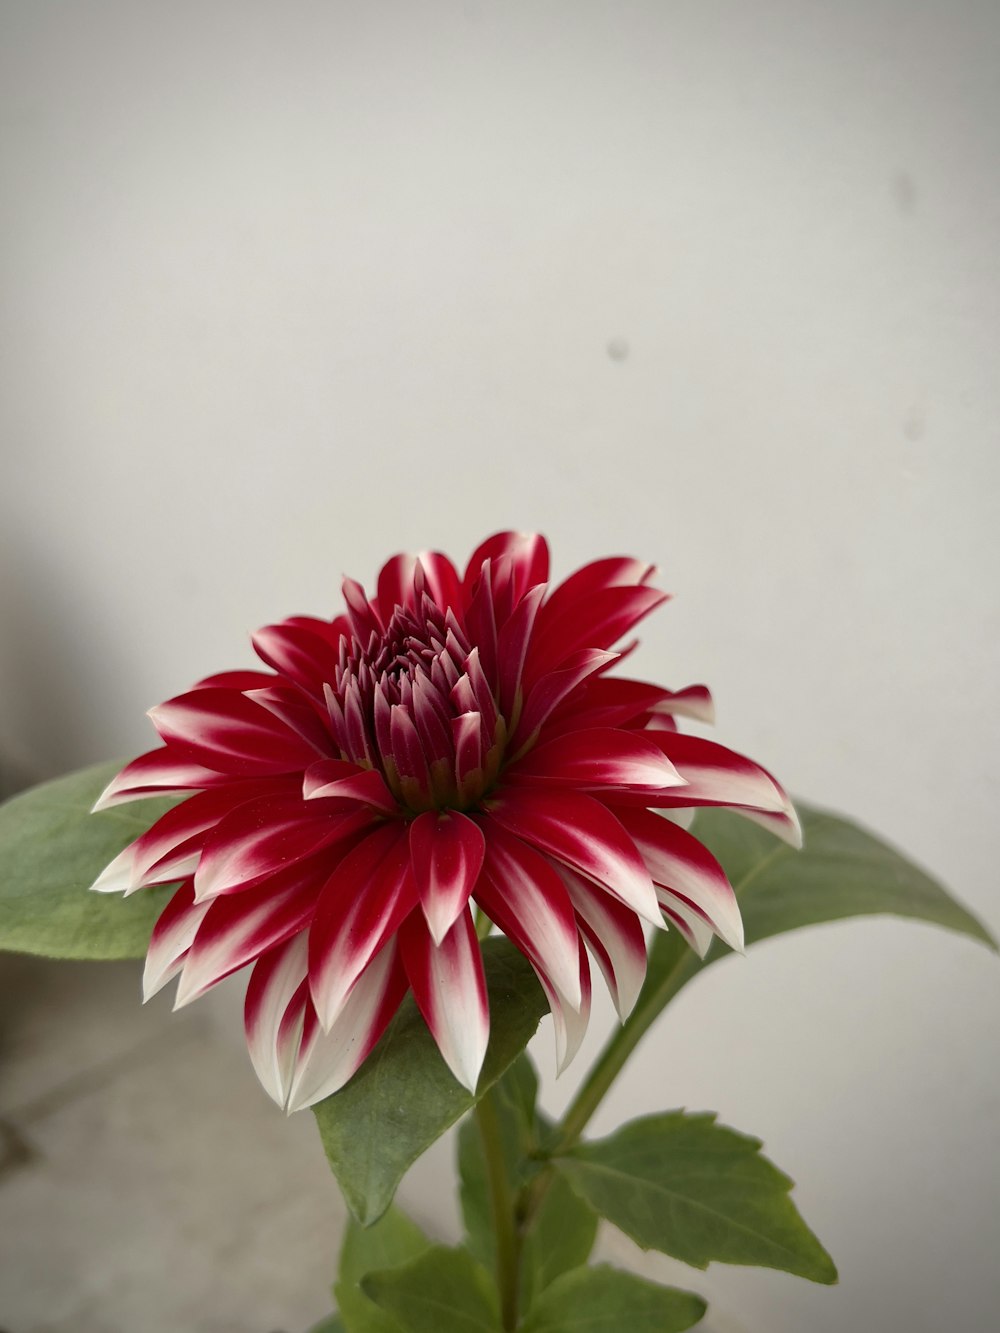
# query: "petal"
{"type": "Point", "coordinates": [446, 852]}
{"type": "Point", "coordinates": [167, 771]}
{"type": "Point", "coordinates": [569, 1021]}
{"type": "Point", "coordinates": [615, 936]}
{"type": "Point", "coordinates": [678, 862]}
{"type": "Point", "coordinates": [527, 551]}
{"type": "Point", "coordinates": [239, 927]}
{"type": "Point", "coordinates": [337, 779]}
{"type": "Point", "coordinates": [224, 730]}
{"type": "Point", "coordinates": [717, 776]}
{"type": "Point", "coordinates": [274, 982]}
{"type": "Point", "coordinates": [691, 924]}
{"type": "Point", "coordinates": [449, 987]}
{"type": "Point", "coordinates": [549, 691]}
{"type": "Point", "coordinates": [172, 937]}
{"type": "Point", "coordinates": [327, 1060]}
{"type": "Point", "coordinates": [267, 836]}
{"type": "Point", "coordinates": [301, 649]}
{"type": "Point", "coordinates": [520, 891]}
{"type": "Point", "coordinates": [582, 833]}
{"type": "Point", "coordinates": [361, 906]}
{"type": "Point", "coordinates": [596, 758]}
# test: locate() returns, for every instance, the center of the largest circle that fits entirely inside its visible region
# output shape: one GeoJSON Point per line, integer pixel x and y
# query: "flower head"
{"type": "Point", "coordinates": [449, 741]}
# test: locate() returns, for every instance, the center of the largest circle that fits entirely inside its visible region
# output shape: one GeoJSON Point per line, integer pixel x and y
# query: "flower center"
{"type": "Point", "coordinates": [414, 703]}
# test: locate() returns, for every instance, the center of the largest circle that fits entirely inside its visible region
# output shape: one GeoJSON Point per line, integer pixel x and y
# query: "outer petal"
{"type": "Point", "coordinates": [226, 731]}
{"type": "Point", "coordinates": [273, 1043]}
{"type": "Point", "coordinates": [328, 1059]}
{"type": "Point", "coordinates": [717, 776]}
{"type": "Point", "coordinates": [238, 928]}
{"type": "Point", "coordinates": [569, 1022]}
{"type": "Point", "coordinates": [449, 987]}
{"type": "Point", "coordinates": [271, 835]}
{"type": "Point", "coordinates": [597, 621]}
{"type": "Point", "coordinates": [167, 771]}
{"type": "Point", "coordinates": [301, 650]}
{"type": "Point", "coordinates": [337, 779]}
{"type": "Point", "coordinates": [598, 758]}
{"type": "Point", "coordinates": [446, 852]}
{"type": "Point", "coordinates": [583, 834]}
{"type": "Point", "coordinates": [614, 934]}
{"type": "Point", "coordinates": [548, 692]}
{"type": "Point", "coordinates": [520, 891]}
{"type": "Point", "coordinates": [678, 862]}
{"type": "Point", "coordinates": [171, 939]}
{"type": "Point", "coordinates": [362, 905]}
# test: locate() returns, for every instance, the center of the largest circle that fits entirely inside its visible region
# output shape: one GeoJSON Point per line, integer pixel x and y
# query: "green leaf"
{"type": "Point", "coordinates": [697, 1191]}
{"type": "Point", "coordinates": [51, 851]}
{"type": "Point", "coordinates": [441, 1290]}
{"type": "Point", "coordinates": [394, 1240]}
{"type": "Point", "coordinates": [606, 1300]}
{"type": "Point", "coordinates": [841, 871]}
{"type": "Point", "coordinates": [514, 1100]}
{"type": "Point", "coordinates": [332, 1324]}
{"type": "Point", "coordinates": [404, 1097]}
{"type": "Point", "coordinates": [563, 1232]}
{"type": "Point", "coordinates": [561, 1239]}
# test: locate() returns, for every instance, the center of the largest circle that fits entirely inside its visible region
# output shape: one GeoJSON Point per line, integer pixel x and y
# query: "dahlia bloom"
{"type": "Point", "coordinates": [450, 740]}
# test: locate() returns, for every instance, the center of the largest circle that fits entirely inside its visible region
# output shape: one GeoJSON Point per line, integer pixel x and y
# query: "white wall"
{"type": "Point", "coordinates": [290, 287]}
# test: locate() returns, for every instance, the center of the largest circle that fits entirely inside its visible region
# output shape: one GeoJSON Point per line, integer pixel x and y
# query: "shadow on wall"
{"type": "Point", "coordinates": [52, 663]}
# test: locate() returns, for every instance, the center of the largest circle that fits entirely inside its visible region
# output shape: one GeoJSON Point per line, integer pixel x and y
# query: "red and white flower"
{"type": "Point", "coordinates": [452, 740]}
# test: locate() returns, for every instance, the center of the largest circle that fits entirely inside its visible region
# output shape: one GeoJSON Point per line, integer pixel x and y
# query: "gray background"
{"type": "Point", "coordinates": [291, 287]}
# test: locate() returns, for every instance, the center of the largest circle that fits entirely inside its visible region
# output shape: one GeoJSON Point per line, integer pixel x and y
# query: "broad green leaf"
{"type": "Point", "coordinates": [394, 1240]}
{"type": "Point", "coordinates": [441, 1290]}
{"type": "Point", "coordinates": [562, 1234]}
{"type": "Point", "coordinates": [51, 851]}
{"type": "Point", "coordinates": [698, 1191]}
{"type": "Point", "coordinates": [404, 1097]}
{"type": "Point", "coordinates": [841, 871]}
{"type": "Point", "coordinates": [606, 1300]}
{"type": "Point", "coordinates": [333, 1324]}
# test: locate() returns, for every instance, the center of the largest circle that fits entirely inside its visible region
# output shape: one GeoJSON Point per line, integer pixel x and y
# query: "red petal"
{"type": "Point", "coordinates": [361, 906]}
{"type": "Point", "coordinates": [527, 551]}
{"type": "Point", "coordinates": [326, 1060]}
{"type": "Point", "coordinates": [446, 852]}
{"type": "Point", "coordinates": [679, 862]}
{"type": "Point", "coordinates": [163, 772]}
{"type": "Point", "coordinates": [269, 835]}
{"type": "Point", "coordinates": [239, 927]}
{"type": "Point", "coordinates": [450, 989]}
{"type": "Point", "coordinates": [615, 936]}
{"type": "Point", "coordinates": [598, 621]}
{"type": "Point", "coordinates": [224, 730]}
{"type": "Point", "coordinates": [171, 939]}
{"type": "Point", "coordinates": [275, 983]}
{"type": "Point", "coordinates": [582, 833]}
{"type": "Point", "coordinates": [601, 757]}
{"type": "Point", "coordinates": [339, 780]}
{"type": "Point", "coordinates": [521, 892]}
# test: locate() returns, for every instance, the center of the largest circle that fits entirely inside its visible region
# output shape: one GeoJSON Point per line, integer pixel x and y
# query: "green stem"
{"type": "Point", "coordinates": [504, 1229]}
{"type": "Point", "coordinates": [618, 1049]}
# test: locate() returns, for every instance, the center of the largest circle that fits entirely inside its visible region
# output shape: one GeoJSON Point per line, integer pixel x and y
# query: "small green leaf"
{"type": "Point", "coordinates": [697, 1191]}
{"type": "Point", "coordinates": [404, 1097]}
{"type": "Point", "coordinates": [394, 1240]}
{"type": "Point", "coordinates": [51, 851]}
{"type": "Point", "coordinates": [441, 1290]}
{"type": "Point", "coordinates": [561, 1239]}
{"type": "Point", "coordinates": [332, 1324]}
{"type": "Point", "coordinates": [606, 1300]}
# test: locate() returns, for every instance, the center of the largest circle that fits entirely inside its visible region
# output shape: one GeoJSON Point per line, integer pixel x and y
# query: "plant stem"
{"type": "Point", "coordinates": [504, 1227]}
{"type": "Point", "coordinates": [618, 1049]}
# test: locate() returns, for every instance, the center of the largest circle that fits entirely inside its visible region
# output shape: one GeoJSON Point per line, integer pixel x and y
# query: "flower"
{"type": "Point", "coordinates": [449, 741]}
